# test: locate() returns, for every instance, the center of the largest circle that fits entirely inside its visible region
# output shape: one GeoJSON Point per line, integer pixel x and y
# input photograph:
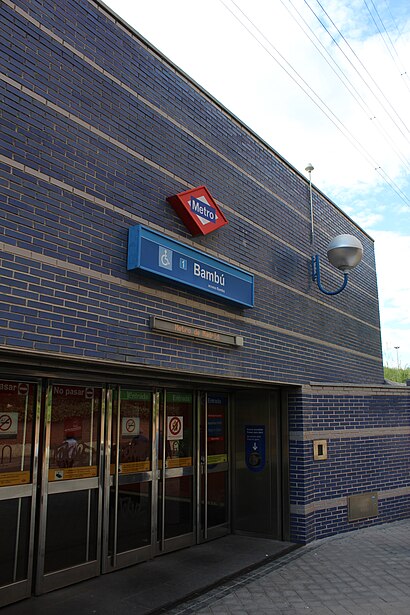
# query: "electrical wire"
{"type": "Point", "coordinates": [400, 69]}
{"type": "Point", "coordinates": [392, 18]}
{"type": "Point", "coordinates": [344, 79]}
{"type": "Point", "coordinates": [363, 67]}
{"type": "Point", "coordinates": [313, 96]}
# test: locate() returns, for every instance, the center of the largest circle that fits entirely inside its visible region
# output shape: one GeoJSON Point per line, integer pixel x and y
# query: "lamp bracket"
{"type": "Point", "coordinates": [316, 277]}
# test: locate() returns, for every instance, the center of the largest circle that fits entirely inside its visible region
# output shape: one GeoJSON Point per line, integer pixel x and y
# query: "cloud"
{"type": "Point", "coordinates": [392, 257]}
{"type": "Point", "coordinates": [391, 356]}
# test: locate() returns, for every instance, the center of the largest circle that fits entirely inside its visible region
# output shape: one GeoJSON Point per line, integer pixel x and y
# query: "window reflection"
{"type": "Point", "coordinates": [17, 413]}
{"type": "Point", "coordinates": [75, 432]}
{"type": "Point", "coordinates": [134, 439]}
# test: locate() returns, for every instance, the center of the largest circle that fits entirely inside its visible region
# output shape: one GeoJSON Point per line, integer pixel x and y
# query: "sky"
{"type": "Point", "coordinates": [326, 83]}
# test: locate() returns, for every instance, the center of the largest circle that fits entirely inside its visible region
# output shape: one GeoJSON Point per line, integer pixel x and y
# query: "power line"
{"type": "Point", "coordinates": [400, 69]}
{"type": "Point", "coordinates": [362, 65]}
{"type": "Point", "coordinates": [392, 18]}
{"type": "Point", "coordinates": [344, 79]}
{"type": "Point", "coordinates": [313, 96]}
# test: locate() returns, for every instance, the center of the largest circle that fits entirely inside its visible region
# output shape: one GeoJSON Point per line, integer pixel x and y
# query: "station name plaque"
{"type": "Point", "coordinates": [173, 327]}
{"type": "Point", "coordinates": [174, 261]}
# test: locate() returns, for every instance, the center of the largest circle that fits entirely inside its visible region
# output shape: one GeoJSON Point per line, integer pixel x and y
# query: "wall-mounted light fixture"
{"type": "Point", "coordinates": [345, 253]}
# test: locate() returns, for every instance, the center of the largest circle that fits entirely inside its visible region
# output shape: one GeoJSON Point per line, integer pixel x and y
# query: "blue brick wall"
{"type": "Point", "coordinates": [360, 460]}
{"type": "Point", "coordinates": [96, 130]}
{"type": "Point", "coordinates": [128, 138]}
{"type": "Point", "coordinates": [335, 520]}
{"type": "Point", "coordinates": [353, 465]}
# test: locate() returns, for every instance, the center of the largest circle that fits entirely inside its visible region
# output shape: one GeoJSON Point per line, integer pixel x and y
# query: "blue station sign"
{"type": "Point", "coordinates": [159, 255]}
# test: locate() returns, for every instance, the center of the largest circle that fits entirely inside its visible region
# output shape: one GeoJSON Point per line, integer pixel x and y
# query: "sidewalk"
{"type": "Point", "coordinates": [153, 585]}
{"type": "Point", "coordinates": [364, 572]}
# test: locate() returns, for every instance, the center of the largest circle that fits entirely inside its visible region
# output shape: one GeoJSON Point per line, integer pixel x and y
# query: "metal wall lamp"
{"type": "Point", "coordinates": [345, 253]}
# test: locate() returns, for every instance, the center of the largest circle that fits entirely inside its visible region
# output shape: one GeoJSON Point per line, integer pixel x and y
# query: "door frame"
{"type": "Point", "coordinates": [204, 532]}
{"type": "Point", "coordinates": [117, 560]}
{"type": "Point", "coordinates": [159, 544]}
{"type": "Point", "coordinates": [17, 590]}
{"type": "Point", "coordinates": [24, 588]}
{"type": "Point", "coordinates": [165, 545]}
{"type": "Point", "coordinates": [46, 582]}
{"type": "Point", "coordinates": [41, 488]}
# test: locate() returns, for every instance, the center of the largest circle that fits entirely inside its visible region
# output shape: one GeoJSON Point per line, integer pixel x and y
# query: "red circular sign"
{"type": "Point", "coordinates": [5, 422]}
{"type": "Point", "coordinates": [130, 425]}
{"type": "Point", "coordinates": [22, 388]}
{"type": "Point", "coordinates": [175, 426]}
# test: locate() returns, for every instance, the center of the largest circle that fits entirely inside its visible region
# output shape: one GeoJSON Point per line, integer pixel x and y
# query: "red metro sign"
{"type": "Point", "coordinates": [198, 211]}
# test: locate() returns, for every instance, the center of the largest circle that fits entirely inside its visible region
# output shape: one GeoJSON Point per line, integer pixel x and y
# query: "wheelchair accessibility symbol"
{"type": "Point", "coordinates": [165, 258]}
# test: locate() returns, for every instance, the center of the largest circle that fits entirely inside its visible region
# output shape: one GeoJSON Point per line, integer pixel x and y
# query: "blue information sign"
{"type": "Point", "coordinates": [155, 253]}
{"type": "Point", "coordinates": [255, 447]}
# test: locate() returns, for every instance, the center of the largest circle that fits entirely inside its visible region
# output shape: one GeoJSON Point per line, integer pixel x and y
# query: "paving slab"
{"type": "Point", "coordinates": [363, 572]}
{"type": "Point", "coordinates": [152, 586]}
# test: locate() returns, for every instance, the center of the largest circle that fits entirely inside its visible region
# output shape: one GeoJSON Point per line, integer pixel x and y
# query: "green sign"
{"type": "Point", "coordinates": [127, 395]}
{"type": "Point", "coordinates": [179, 397]}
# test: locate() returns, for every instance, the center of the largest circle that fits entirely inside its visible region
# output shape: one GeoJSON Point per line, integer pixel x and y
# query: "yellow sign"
{"type": "Point", "coordinates": [132, 467]}
{"type": "Point", "coordinates": [72, 473]}
{"type": "Point", "coordinates": [222, 458]}
{"type": "Point", "coordinates": [135, 466]}
{"type": "Point", "coordinates": [181, 462]}
{"type": "Point", "coordinates": [14, 478]}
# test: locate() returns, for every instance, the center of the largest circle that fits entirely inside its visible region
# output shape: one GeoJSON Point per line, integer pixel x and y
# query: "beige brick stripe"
{"type": "Point", "coordinates": [353, 389]}
{"type": "Point", "coordinates": [138, 219]}
{"type": "Point", "coordinates": [312, 507]}
{"type": "Point", "coordinates": [136, 154]}
{"type": "Point", "coordinates": [144, 100]}
{"type": "Point", "coordinates": [349, 434]}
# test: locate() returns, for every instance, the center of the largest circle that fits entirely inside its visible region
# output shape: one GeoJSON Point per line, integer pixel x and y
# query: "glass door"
{"type": "Point", "coordinates": [70, 511]}
{"type": "Point", "coordinates": [214, 512]}
{"type": "Point", "coordinates": [19, 414]}
{"type": "Point", "coordinates": [129, 485]}
{"type": "Point", "coordinates": [176, 487]}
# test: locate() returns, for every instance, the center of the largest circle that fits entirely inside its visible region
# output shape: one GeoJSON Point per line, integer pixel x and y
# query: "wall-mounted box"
{"type": "Point", "coordinates": [319, 450]}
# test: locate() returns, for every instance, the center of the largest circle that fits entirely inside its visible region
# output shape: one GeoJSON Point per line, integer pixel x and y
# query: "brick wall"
{"type": "Point", "coordinates": [96, 131]}
{"type": "Point", "coordinates": [368, 438]}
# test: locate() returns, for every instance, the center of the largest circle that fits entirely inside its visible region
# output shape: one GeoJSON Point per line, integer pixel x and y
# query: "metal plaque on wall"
{"type": "Point", "coordinates": [362, 506]}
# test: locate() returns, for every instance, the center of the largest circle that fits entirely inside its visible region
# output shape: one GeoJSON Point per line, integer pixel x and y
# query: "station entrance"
{"type": "Point", "coordinates": [94, 478]}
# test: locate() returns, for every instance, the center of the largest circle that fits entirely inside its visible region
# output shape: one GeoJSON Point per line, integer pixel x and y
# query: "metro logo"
{"type": "Point", "coordinates": [197, 209]}
{"type": "Point", "coordinates": [203, 210]}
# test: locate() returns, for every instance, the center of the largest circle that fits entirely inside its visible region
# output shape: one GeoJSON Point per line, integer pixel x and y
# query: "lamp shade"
{"type": "Point", "coordinates": [345, 252]}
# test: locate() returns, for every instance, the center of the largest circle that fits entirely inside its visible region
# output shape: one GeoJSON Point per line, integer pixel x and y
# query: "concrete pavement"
{"type": "Point", "coordinates": [155, 584]}
{"type": "Point", "coordinates": [364, 572]}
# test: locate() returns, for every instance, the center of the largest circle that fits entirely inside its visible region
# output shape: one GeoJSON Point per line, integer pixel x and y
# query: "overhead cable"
{"type": "Point", "coordinates": [324, 108]}
{"type": "Point", "coordinates": [363, 67]}
{"type": "Point", "coordinates": [401, 69]}
{"type": "Point", "coordinates": [341, 75]}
